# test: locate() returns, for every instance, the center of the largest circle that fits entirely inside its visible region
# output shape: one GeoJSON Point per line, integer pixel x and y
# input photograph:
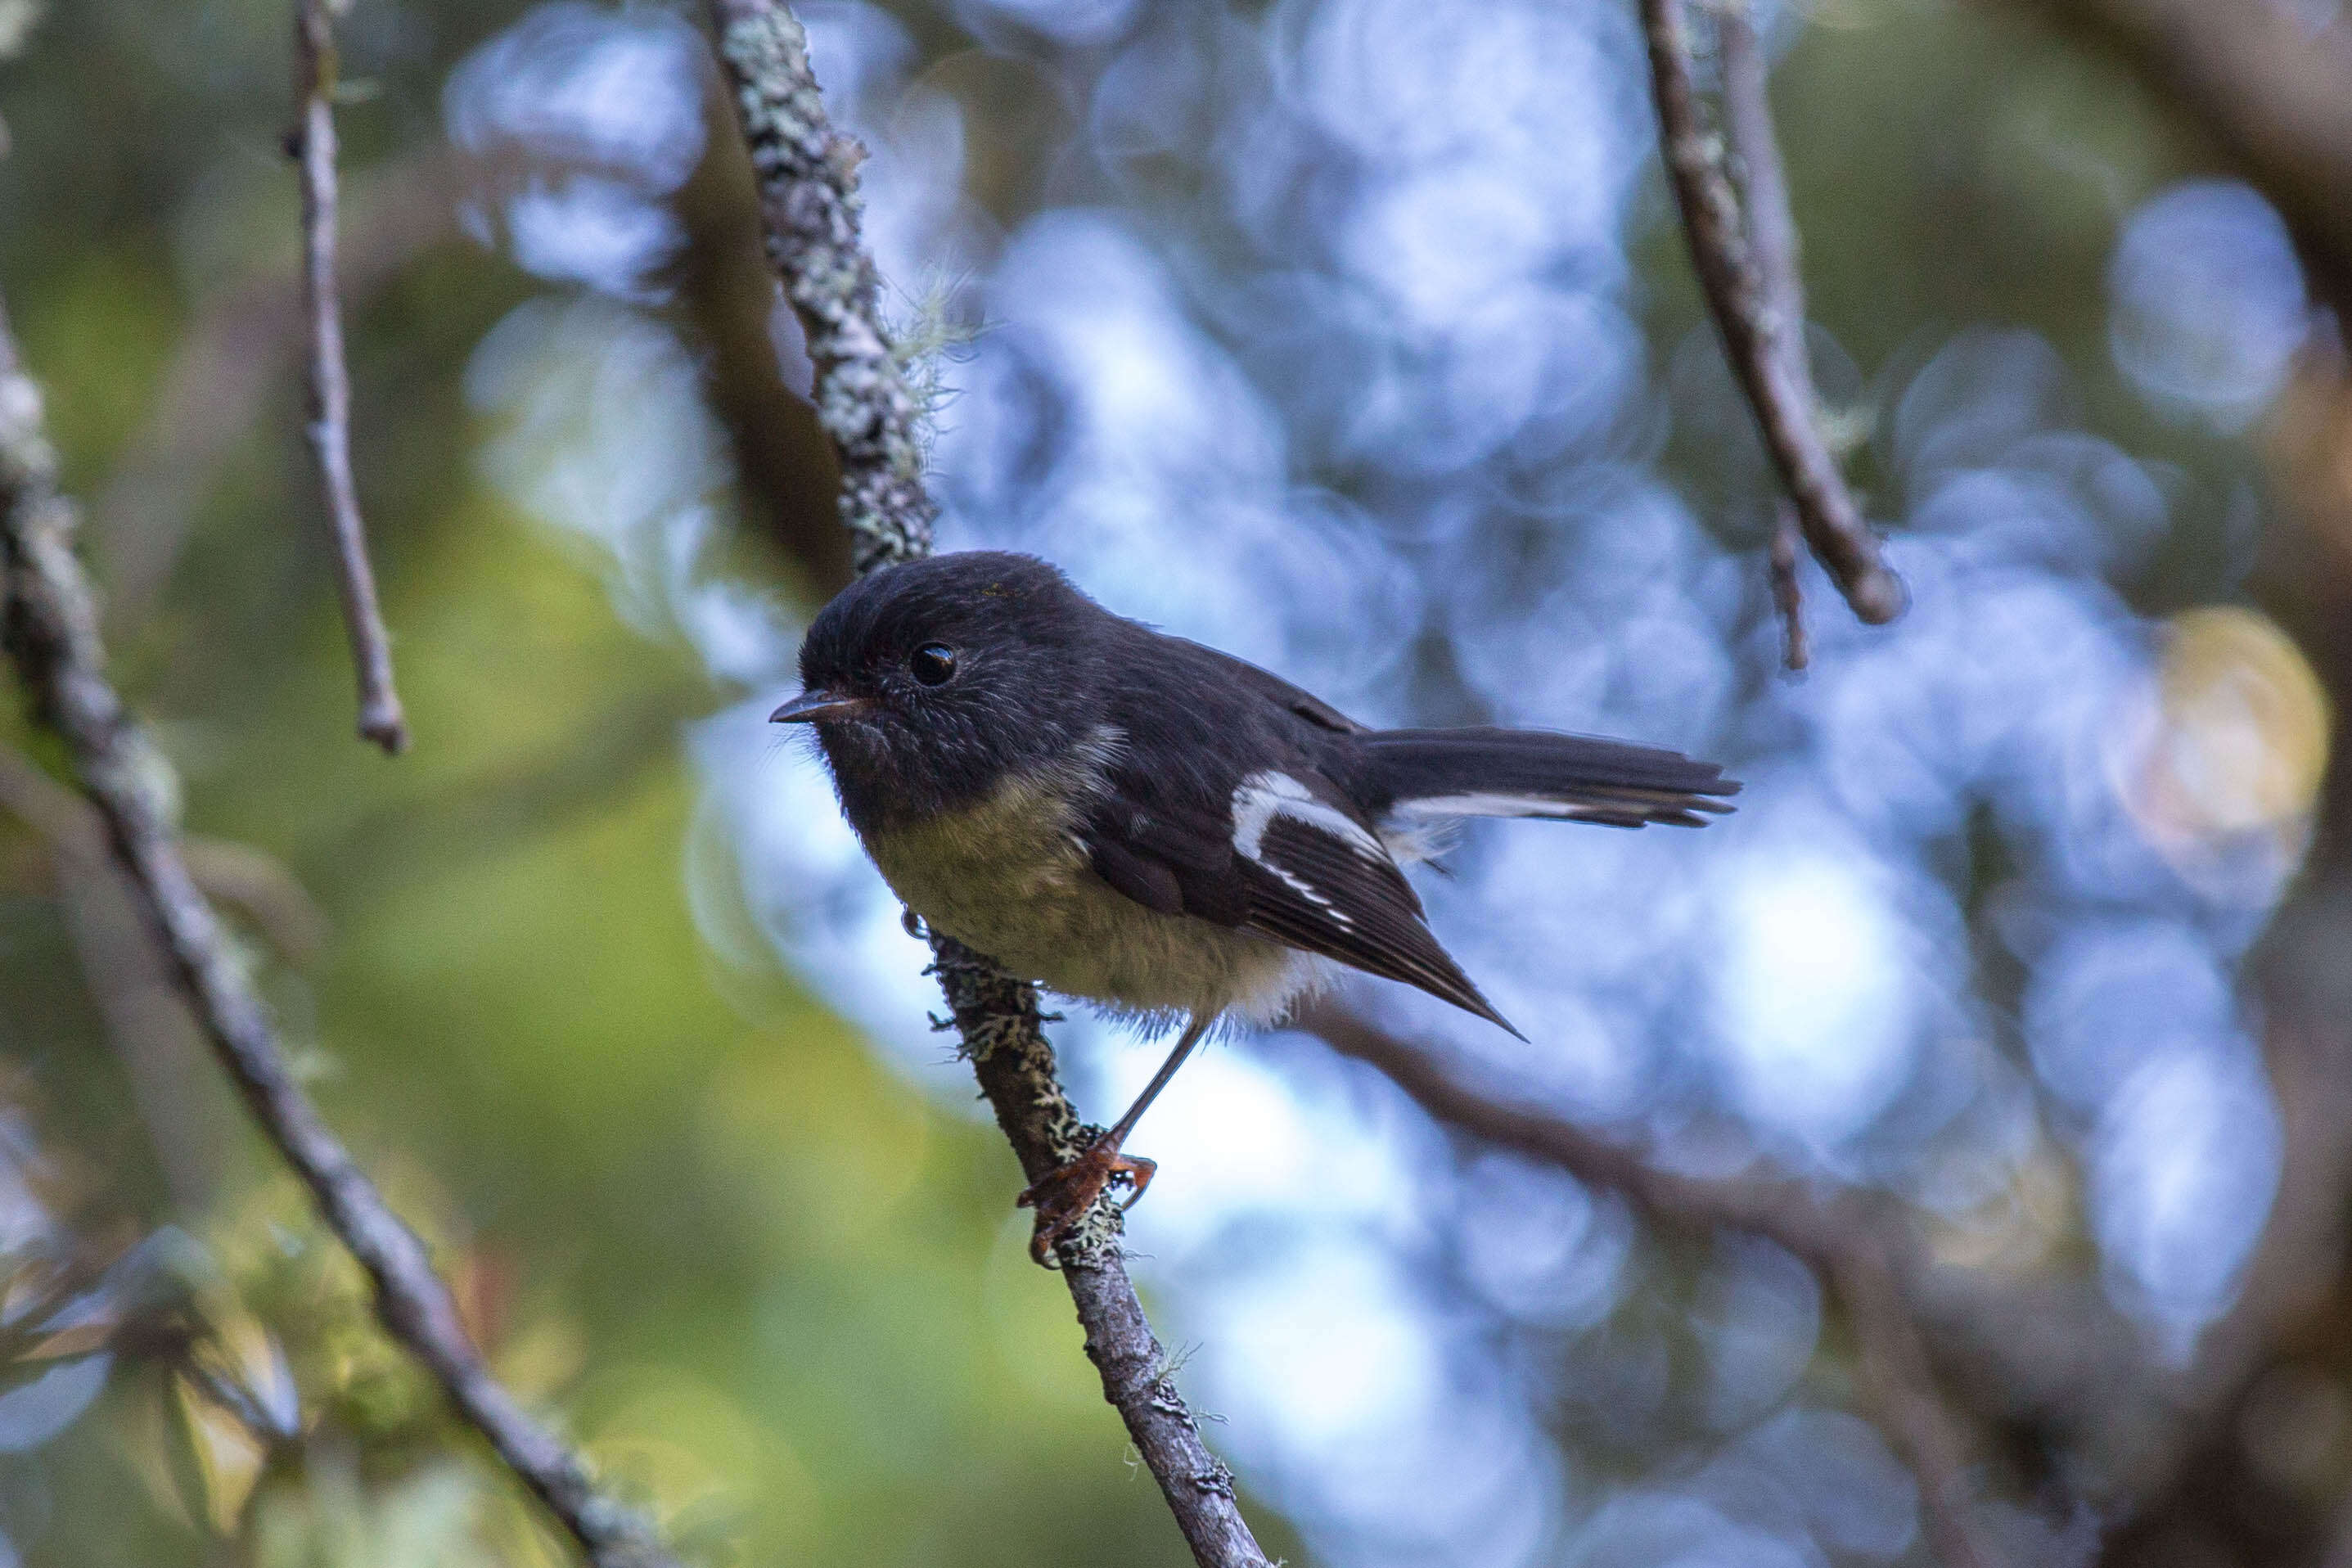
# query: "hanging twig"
{"type": "Point", "coordinates": [809, 207]}
{"type": "Point", "coordinates": [330, 429]}
{"type": "Point", "coordinates": [1788, 596]}
{"type": "Point", "coordinates": [1762, 186]}
{"type": "Point", "coordinates": [50, 630]}
{"type": "Point", "coordinates": [1736, 280]}
{"type": "Point", "coordinates": [1831, 1233]}
{"type": "Point", "coordinates": [1772, 241]}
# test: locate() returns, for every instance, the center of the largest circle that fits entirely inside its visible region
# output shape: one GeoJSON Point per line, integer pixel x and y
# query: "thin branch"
{"type": "Point", "coordinates": [997, 1018]}
{"type": "Point", "coordinates": [1733, 278]}
{"type": "Point", "coordinates": [1762, 188]}
{"type": "Point", "coordinates": [1772, 241]}
{"type": "Point", "coordinates": [50, 630]}
{"type": "Point", "coordinates": [1788, 596]}
{"type": "Point", "coordinates": [809, 206]}
{"type": "Point", "coordinates": [313, 146]}
{"type": "Point", "coordinates": [1833, 1233]}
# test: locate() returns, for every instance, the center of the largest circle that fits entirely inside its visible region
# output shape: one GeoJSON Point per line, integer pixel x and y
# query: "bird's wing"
{"type": "Point", "coordinates": [1284, 855]}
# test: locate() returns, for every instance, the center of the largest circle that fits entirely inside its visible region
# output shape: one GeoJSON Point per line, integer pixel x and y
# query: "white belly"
{"type": "Point", "coordinates": [1007, 877]}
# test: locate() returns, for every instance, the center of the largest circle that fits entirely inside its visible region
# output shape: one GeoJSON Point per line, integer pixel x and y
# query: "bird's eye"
{"type": "Point", "coordinates": [934, 664]}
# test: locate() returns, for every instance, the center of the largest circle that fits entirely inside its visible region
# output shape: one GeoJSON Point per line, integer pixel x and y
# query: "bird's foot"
{"type": "Point", "coordinates": [1064, 1197]}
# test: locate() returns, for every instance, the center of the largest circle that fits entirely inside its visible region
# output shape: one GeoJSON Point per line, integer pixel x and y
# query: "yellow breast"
{"type": "Point", "coordinates": [1010, 877]}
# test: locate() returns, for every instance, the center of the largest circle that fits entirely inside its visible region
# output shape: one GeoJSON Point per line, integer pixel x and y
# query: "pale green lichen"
{"type": "Point", "coordinates": [925, 339]}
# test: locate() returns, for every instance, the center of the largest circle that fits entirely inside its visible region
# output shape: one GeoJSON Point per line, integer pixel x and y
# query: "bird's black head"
{"type": "Point", "coordinates": [932, 682]}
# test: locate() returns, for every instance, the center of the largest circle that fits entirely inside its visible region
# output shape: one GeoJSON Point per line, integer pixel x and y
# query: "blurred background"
{"type": "Point", "coordinates": [1356, 337]}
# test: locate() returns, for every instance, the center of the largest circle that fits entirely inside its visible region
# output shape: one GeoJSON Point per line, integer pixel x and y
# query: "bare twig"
{"type": "Point", "coordinates": [252, 881]}
{"type": "Point", "coordinates": [128, 974]}
{"type": "Point", "coordinates": [1732, 275]}
{"type": "Point", "coordinates": [313, 146]}
{"type": "Point", "coordinates": [1762, 186]}
{"type": "Point", "coordinates": [50, 630]}
{"type": "Point", "coordinates": [1788, 596]}
{"type": "Point", "coordinates": [809, 204]}
{"type": "Point", "coordinates": [1834, 1232]}
{"type": "Point", "coordinates": [1773, 242]}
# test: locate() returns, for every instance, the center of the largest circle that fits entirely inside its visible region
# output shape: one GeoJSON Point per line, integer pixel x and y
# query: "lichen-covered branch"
{"type": "Point", "coordinates": [1829, 1232]}
{"type": "Point", "coordinates": [809, 211]}
{"type": "Point", "coordinates": [330, 428]}
{"type": "Point", "coordinates": [50, 630]}
{"type": "Point", "coordinates": [1754, 324]}
{"type": "Point", "coordinates": [1003, 1034]}
{"type": "Point", "coordinates": [807, 176]}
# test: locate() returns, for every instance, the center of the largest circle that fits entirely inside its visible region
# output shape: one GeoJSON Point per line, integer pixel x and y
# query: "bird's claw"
{"type": "Point", "coordinates": [1064, 1197]}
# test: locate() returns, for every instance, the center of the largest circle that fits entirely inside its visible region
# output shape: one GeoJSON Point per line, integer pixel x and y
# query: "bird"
{"type": "Point", "coordinates": [1154, 826]}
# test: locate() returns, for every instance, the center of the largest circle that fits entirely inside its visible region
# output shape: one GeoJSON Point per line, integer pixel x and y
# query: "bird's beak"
{"type": "Point", "coordinates": [816, 706]}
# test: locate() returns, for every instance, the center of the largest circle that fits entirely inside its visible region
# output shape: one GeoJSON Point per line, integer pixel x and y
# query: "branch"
{"type": "Point", "coordinates": [314, 147]}
{"type": "Point", "coordinates": [1833, 1233]}
{"type": "Point", "coordinates": [1737, 282]}
{"type": "Point", "coordinates": [997, 1018]}
{"type": "Point", "coordinates": [1763, 192]}
{"type": "Point", "coordinates": [809, 211]}
{"type": "Point", "coordinates": [1787, 594]}
{"type": "Point", "coordinates": [50, 630]}
{"type": "Point", "coordinates": [1772, 240]}
{"type": "Point", "coordinates": [809, 204]}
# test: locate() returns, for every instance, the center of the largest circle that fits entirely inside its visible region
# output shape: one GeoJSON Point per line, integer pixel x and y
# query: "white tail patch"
{"type": "Point", "coordinates": [1483, 803]}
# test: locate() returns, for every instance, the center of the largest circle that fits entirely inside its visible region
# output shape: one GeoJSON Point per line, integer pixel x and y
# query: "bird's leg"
{"type": "Point", "coordinates": [1063, 1197]}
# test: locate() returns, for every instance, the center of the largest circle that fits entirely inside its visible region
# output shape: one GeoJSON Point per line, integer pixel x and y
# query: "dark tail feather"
{"type": "Point", "coordinates": [1533, 773]}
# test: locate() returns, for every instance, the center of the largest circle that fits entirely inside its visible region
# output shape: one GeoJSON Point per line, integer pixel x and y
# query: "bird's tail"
{"type": "Point", "coordinates": [1428, 775]}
